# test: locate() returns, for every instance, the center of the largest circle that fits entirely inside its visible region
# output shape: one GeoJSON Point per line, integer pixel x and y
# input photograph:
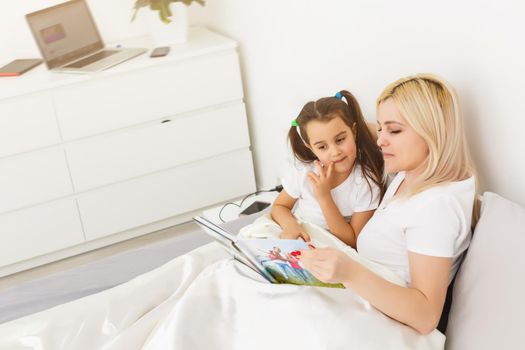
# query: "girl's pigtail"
{"type": "Point", "coordinates": [368, 153]}
{"type": "Point", "coordinates": [299, 149]}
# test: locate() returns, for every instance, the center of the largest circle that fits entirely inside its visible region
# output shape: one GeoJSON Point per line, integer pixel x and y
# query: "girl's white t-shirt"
{"type": "Point", "coordinates": [352, 195]}
{"type": "Point", "coordinates": [435, 222]}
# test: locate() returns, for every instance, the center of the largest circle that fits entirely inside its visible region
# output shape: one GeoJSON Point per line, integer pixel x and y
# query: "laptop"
{"type": "Point", "coordinates": [69, 41]}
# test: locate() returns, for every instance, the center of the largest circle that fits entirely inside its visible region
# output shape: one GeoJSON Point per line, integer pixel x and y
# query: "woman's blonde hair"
{"type": "Point", "coordinates": [430, 106]}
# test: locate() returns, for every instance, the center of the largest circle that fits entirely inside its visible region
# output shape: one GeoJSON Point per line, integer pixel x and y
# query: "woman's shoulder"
{"type": "Point", "coordinates": [452, 188]}
{"type": "Point", "coordinates": [452, 193]}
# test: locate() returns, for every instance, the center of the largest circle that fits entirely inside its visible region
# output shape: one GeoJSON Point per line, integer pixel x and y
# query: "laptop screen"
{"type": "Point", "coordinates": [64, 32]}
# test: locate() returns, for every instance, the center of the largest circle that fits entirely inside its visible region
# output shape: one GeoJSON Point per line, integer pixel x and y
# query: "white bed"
{"type": "Point", "coordinates": [205, 300]}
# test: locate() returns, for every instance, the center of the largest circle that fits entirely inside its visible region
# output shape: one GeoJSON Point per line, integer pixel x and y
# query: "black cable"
{"type": "Point", "coordinates": [224, 206]}
{"type": "Point", "coordinates": [276, 188]}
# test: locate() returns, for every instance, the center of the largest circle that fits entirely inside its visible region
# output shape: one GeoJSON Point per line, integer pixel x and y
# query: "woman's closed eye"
{"type": "Point", "coordinates": [393, 132]}
{"type": "Point", "coordinates": [340, 140]}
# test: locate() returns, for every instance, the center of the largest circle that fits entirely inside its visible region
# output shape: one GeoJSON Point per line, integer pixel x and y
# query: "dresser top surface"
{"type": "Point", "coordinates": [201, 41]}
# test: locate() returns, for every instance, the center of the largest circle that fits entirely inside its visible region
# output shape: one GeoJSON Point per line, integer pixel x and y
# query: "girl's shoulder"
{"type": "Point", "coordinates": [358, 177]}
{"type": "Point", "coordinates": [299, 168]}
{"type": "Point", "coordinates": [356, 182]}
{"type": "Point", "coordinates": [357, 174]}
{"type": "Point", "coordinates": [295, 175]}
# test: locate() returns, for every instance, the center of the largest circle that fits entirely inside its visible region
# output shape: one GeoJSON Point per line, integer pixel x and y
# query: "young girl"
{"type": "Point", "coordinates": [338, 181]}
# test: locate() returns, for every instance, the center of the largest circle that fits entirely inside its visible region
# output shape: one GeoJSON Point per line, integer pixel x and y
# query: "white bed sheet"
{"type": "Point", "coordinates": [205, 300]}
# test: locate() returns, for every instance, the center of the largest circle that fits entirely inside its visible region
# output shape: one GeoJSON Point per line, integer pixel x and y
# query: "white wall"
{"type": "Point", "coordinates": [297, 50]}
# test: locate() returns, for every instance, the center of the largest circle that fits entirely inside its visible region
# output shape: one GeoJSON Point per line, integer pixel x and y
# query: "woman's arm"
{"type": "Point", "coordinates": [418, 306]}
{"type": "Point", "coordinates": [282, 214]}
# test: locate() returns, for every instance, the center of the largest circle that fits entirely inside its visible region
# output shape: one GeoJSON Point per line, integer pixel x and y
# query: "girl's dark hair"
{"type": "Point", "coordinates": [327, 108]}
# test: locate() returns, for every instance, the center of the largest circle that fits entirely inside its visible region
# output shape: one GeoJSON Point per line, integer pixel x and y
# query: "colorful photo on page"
{"type": "Point", "coordinates": [281, 258]}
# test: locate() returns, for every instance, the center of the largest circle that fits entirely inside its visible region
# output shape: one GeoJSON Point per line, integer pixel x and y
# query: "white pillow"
{"type": "Point", "coordinates": [488, 306]}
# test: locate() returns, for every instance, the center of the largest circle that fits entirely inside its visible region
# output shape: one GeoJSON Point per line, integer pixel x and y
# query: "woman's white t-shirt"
{"type": "Point", "coordinates": [435, 222]}
{"type": "Point", "coordinates": [352, 195]}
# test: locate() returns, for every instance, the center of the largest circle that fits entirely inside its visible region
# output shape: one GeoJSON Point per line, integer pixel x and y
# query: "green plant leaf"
{"type": "Point", "coordinates": [189, 2]}
{"type": "Point", "coordinates": [163, 6]}
{"type": "Point", "coordinates": [165, 12]}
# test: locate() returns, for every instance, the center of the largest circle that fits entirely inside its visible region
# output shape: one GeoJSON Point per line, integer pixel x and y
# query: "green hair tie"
{"type": "Point", "coordinates": [298, 129]}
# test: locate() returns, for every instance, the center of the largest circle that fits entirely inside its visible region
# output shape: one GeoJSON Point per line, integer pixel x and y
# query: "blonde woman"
{"type": "Point", "coordinates": [422, 226]}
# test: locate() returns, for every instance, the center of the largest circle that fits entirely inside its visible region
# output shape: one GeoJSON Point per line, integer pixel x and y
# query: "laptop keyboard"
{"type": "Point", "coordinates": [91, 59]}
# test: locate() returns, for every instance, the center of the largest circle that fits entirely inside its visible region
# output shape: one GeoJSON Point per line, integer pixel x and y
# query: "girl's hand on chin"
{"type": "Point", "coordinates": [321, 184]}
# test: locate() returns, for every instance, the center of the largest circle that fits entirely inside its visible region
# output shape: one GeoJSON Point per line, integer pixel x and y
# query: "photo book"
{"type": "Point", "coordinates": [274, 259]}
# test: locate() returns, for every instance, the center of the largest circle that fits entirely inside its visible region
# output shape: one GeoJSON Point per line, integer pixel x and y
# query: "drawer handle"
{"type": "Point", "coordinates": [166, 121]}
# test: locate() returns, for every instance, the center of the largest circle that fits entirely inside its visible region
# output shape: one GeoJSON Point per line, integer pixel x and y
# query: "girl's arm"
{"type": "Point", "coordinates": [282, 214]}
{"type": "Point", "coordinates": [418, 306]}
{"type": "Point", "coordinates": [347, 232]}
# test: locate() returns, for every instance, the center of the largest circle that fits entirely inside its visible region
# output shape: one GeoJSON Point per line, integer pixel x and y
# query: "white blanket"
{"type": "Point", "coordinates": [205, 300]}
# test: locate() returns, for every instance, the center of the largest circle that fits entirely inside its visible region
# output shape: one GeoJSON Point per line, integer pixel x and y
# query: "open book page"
{"type": "Point", "coordinates": [227, 240]}
{"type": "Point", "coordinates": [254, 264]}
{"type": "Point", "coordinates": [279, 257]}
{"type": "Point", "coordinates": [274, 259]}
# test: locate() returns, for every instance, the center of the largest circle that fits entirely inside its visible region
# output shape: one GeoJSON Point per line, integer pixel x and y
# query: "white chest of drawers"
{"type": "Point", "coordinates": [86, 161]}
